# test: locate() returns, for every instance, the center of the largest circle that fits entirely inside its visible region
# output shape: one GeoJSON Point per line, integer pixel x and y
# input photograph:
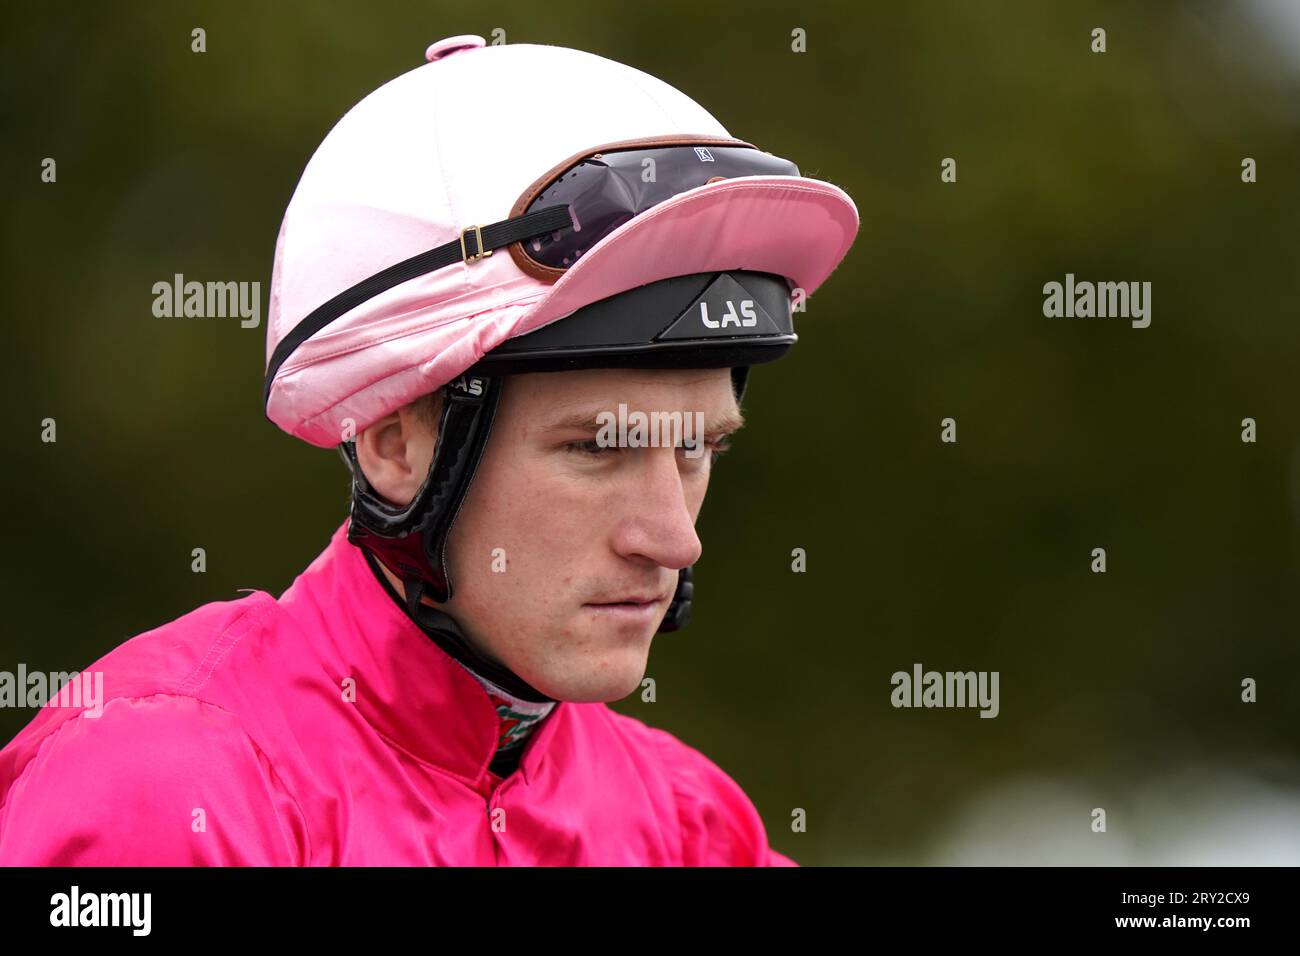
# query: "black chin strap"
{"type": "Point", "coordinates": [443, 630]}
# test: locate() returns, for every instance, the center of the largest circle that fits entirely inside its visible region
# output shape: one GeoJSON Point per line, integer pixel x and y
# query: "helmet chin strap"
{"type": "Point", "coordinates": [411, 541]}
{"type": "Point", "coordinates": [442, 628]}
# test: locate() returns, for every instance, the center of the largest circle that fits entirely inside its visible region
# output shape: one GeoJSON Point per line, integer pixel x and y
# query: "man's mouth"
{"type": "Point", "coordinates": [631, 607]}
{"type": "Point", "coordinates": [630, 599]}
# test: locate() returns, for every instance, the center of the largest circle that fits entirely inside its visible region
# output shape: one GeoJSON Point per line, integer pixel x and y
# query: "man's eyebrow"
{"type": "Point", "coordinates": [585, 420]}
{"type": "Point", "coordinates": [731, 421]}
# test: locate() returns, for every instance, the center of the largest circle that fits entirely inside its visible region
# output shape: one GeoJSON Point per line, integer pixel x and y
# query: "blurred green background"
{"type": "Point", "coordinates": [1118, 690]}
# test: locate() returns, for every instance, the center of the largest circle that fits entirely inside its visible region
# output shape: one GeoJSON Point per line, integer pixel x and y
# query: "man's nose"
{"type": "Point", "coordinates": [659, 524]}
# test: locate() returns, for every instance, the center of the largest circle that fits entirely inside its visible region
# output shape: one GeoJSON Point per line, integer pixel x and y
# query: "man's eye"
{"type": "Point", "coordinates": [590, 448]}
{"type": "Point", "coordinates": [593, 449]}
{"type": "Point", "coordinates": [715, 449]}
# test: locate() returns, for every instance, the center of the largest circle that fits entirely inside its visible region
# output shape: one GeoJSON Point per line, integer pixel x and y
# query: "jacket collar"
{"type": "Point", "coordinates": [405, 686]}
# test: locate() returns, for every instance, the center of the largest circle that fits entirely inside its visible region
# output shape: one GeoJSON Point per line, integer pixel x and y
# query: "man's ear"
{"type": "Point", "coordinates": [395, 452]}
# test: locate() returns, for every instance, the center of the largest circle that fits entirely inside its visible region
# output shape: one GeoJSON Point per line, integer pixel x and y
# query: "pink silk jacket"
{"type": "Point", "coordinates": [324, 728]}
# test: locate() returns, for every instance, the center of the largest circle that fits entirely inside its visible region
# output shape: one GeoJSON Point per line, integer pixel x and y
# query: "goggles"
{"type": "Point", "coordinates": [562, 215]}
{"type": "Point", "coordinates": [605, 188]}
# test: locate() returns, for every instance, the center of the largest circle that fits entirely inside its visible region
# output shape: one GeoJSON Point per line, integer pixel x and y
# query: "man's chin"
{"type": "Point", "coordinates": [599, 679]}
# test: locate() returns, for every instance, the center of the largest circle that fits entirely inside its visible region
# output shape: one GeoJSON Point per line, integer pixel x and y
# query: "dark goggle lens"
{"type": "Point", "coordinates": [605, 192]}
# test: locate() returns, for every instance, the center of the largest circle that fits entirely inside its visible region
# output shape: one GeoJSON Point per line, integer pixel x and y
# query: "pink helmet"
{"type": "Point", "coordinates": [365, 315]}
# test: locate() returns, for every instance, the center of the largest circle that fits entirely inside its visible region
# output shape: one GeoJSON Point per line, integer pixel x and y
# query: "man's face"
{"type": "Point", "coordinates": [586, 541]}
